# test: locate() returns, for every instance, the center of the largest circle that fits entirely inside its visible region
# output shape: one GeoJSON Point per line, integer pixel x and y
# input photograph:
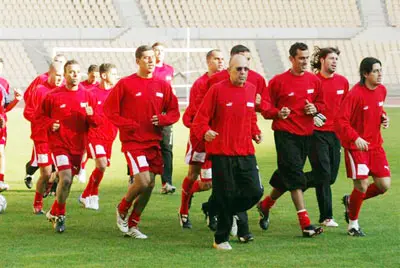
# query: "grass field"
{"type": "Point", "coordinates": [93, 240]}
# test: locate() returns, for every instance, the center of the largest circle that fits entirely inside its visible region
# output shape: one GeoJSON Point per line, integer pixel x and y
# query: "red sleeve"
{"type": "Point", "coordinates": [112, 109]}
{"type": "Point", "coordinates": [318, 99]}
{"type": "Point", "coordinates": [31, 87]}
{"type": "Point", "coordinates": [206, 111]}
{"type": "Point", "coordinates": [269, 109]}
{"type": "Point", "coordinates": [254, 127]}
{"type": "Point", "coordinates": [188, 117]}
{"type": "Point", "coordinates": [31, 105]}
{"type": "Point", "coordinates": [43, 114]}
{"type": "Point", "coordinates": [95, 119]}
{"type": "Point", "coordinates": [343, 126]}
{"type": "Point", "coordinates": [11, 105]}
{"type": "Point", "coordinates": [171, 109]}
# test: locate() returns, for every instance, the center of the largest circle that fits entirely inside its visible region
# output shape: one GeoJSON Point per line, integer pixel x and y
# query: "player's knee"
{"type": "Point", "coordinates": [384, 185]}
{"type": "Point", "coordinates": [193, 176]}
{"type": "Point", "coordinates": [102, 167]}
{"type": "Point", "coordinates": [66, 183]}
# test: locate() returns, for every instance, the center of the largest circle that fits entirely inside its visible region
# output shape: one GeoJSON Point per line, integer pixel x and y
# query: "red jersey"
{"type": "Point", "coordinates": [68, 107]}
{"type": "Point", "coordinates": [200, 85]}
{"type": "Point", "coordinates": [37, 81]}
{"type": "Point", "coordinates": [131, 105]}
{"type": "Point", "coordinates": [106, 131]}
{"type": "Point", "coordinates": [360, 115]}
{"type": "Point", "coordinates": [334, 90]}
{"type": "Point", "coordinates": [4, 91]}
{"type": "Point", "coordinates": [292, 91]}
{"type": "Point", "coordinates": [228, 110]}
{"type": "Point", "coordinates": [89, 86]}
{"type": "Point", "coordinates": [165, 73]}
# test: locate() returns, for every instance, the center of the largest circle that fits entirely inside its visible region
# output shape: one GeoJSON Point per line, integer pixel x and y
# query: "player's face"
{"type": "Point", "coordinates": [374, 78]}
{"type": "Point", "coordinates": [159, 52]}
{"type": "Point", "coordinates": [58, 78]}
{"type": "Point", "coordinates": [238, 71]}
{"type": "Point", "coordinates": [329, 64]}
{"type": "Point", "coordinates": [72, 75]}
{"type": "Point", "coordinates": [300, 61]}
{"type": "Point", "coordinates": [247, 55]}
{"type": "Point", "coordinates": [217, 62]}
{"type": "Point", "coordinates": [146, 62]}
{"type": "Point", "coordinates": [111, 76]}
{"type": "Point", "coordinates": [93, 77]}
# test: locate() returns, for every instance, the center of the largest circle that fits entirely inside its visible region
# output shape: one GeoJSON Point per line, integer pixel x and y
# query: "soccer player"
{"type": "Point", "coordinates": [296, 97]}
{"type": "Point", "coordinates": [31, 166]}
{"type": "Point", "coordinates": [100, 138]}
{"type": "Point", "coordinates": [227, 121]}
{"type": "Point", "coordinates": [140, 106]}
{"type": "Point", "coordinates": [6, 105]}
{"type": "Point", "coordinates": [93, 78]}
{"type": "Point", "coordinates": [165, 72]}
{"type": "Point", "coordinates": [66, 114]}
{"type": "Point", "coordinates": [41, 152]}
{"type": "Point", "coordinates": [358, 125]}
{"type": "Point", "coordinates": [195, 154]}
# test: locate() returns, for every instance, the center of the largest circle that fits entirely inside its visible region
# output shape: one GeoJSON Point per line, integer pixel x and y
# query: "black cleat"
{"type": "Point", "coordinates": [28, 181]}
{"type": "Point", "coordinates": [246, 238]}
{"type": "Point", "coordinates": [60, 224]}
{"type": "Point", "coordinates": [184, 221]}
{"type": "Point", "coordinates": [355, 232]}
{"type": "Point", "coordinates": [311, 231]}
{"type": "Point", "coordinates": [264, 218]}
{"type": "Point", "coordinates": [345, 201]}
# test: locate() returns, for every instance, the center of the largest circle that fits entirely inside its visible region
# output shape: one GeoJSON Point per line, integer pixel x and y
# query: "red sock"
{"type": "Point", "coordinates": [134, 218]}
{"type": "Point", "coordinates": [89, 187]}
{"type": "Point", "coordinates": [60, 209]}
{"type": "Point", "coordinates": [195, 187]}
{"type": "Point", "coordinates": [124, 206]}
{"type": "Point", "coordinates": [267, 203]}
{"type": "Point", "coordinates": [356, 200]}
{"type": "Point", "coordinates": [1, 177]}
{"type": "Point", "coordinates": [304, 220]}
{"type": "Point", "coordinates": [54, 208]}
{"type": "Point", "coordinates": [186, 188]}
{"type": "Point", "coordinates": [372, 191]}
{"type": "Point", "coordinates": [38, 201]}
{"type": "Point", "coordinates": [97, 174]}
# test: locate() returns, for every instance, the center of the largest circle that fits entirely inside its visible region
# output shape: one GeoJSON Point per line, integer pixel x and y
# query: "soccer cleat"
{"type": "Point", "coordinates": [355, 232]}
{"type": "Point", "coordinates": [51, 218]}
{"type": "Point", "coordinates": [311, 231]}
{"type": "Point", "coordinates": [264, 218]}
{"type": "Point", "coordinates": [135, 233]}
{"type": "Point", "coordinates": [234, 228]}
{"type": "Point", "coordinates": [222, 246]}
{"type": "Point", "coordinates": [346, 201]}
{"type": "Point", "coordinates": [38, 210]}
{"type": "Point", "coordinates": [60, 224]}
{"type": "Point", "coordinates": [82, 176]}
{"type": "Point", "coordinates": [3, 186]}
{"type": "Point", "coordinates": [28, 181]}
{"type": "Point", "coordinates": [168, 189]}
{"type": "Point", "coordinates": [94, 202]}
{"type": "Point", "coordinates": [122, 223]}
{"type": "Point", "coordinates": [85, 201]}
{"type": "Point", "coordinates": [184, 221]}
{"type": "Point", "coordinates": [246, 238]}
{"type": "Point", "coordinates": [329, 223]}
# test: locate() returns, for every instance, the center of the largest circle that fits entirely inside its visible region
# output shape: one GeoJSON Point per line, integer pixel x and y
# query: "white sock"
{"type": "Point", "coordinates": [353, 224]}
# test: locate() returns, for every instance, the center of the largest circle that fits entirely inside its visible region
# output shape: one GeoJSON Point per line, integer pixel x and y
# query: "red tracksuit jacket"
{"type": "Point", "coordinates": [230, 111]}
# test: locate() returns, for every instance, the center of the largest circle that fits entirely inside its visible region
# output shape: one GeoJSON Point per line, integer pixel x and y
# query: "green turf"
{"type": "Point", "coordinates": [93, 240]}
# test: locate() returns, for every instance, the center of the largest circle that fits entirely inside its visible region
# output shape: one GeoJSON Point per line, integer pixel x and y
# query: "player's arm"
{"type": "Point", "coordinates": [31, 87]}
{"type": "Point", "coordinates": [93, 117]}
{"type": "Point", "coordinates": [255, 130]}
{"type": "Point", "coordinates": [261, 87]}
{"type": "Point", "coordinates": [318, 98]}
{"type": "Point", "coordinates": [112, 109]}
{"type": "Point", "coordinates": [201, 123]}
{"type": "Point", "coordinates": [171, 111]}
{"type": "Point", "coordinates": [43, 115]}
{"type": "Point", "coordinates": [269, 100]}
{"type": "Point", "coordinates": [343, 127]}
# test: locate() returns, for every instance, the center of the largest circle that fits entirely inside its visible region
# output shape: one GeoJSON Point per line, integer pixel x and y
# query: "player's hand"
{"type": "Point", "coordinates": [258, 138]}
{"type": "Point", "coordinates": [18, 94]}
{"type": "Point", "coordinates": [284, 113]}
{"type": "Point", "coordinates": [2, 122]}
{"type": "Point", "coordinates": [154, 120]}
{"type": "Point", "coordinates": [258, 99]}
{"type": "Point", "coordinates": [361, 144]}
{"type": "Point", "coordinates": [309, 108]}
{"type": "Point", "coordinates": [210, 135]}
{"type": "Point", "coordinates": [55, 126]}
{"type": "Point", "coordinates": [319, 120]}
{"type": "Point", "coordinates": [89, 110]}
{"type": "Point", "coordinates": [385, 121]}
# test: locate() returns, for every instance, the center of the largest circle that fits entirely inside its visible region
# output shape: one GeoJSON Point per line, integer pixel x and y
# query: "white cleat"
{"type": "Point", "coordinates": [3, 186]}
{"type": "Point", "coordinates": [329, 223]}
{"type": "Point", "coordinates": [135, 233]}
{"type": "Point", "coordinates": [122, 223]}
{"type": "Point", "coordinates": [168, 189]}
{"type": "Point", "coordinates": [234, 228]}
{"type": "Point", "coordinates": [222, 246]}
{"type": "Point", "coordinates": [85, 202]}
{"type": "Point", "coordinates": [94, 202]}
{"type": "Point", "coordinates": [82, 176]}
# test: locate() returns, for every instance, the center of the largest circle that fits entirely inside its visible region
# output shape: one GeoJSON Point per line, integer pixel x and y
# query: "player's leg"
{"type": "Point", "coordinates": [3, 186]}
{"type": "Point", "coordinates": [167, 155]}
{"type": "Point", "coordinates": [30, 168]}
{"type": "Point", "coordinates": [41, 187]}
{"type": "Point", "coordinates": [187, 184]}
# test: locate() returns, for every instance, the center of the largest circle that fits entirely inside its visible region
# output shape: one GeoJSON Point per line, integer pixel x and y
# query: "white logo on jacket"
{"type": "Point", "coordinates": [159, 94]}
{"type": "Point", "coordinates": [63, 105]}
{"type": "Point", "coordinates": [311, 90]}
{"type": "Point", "coordinates": [380, 103]}
{"type": "Point", "coordinates": [340, 92]}
{"type": "Point", "coordinates": [365, 108]}
{"type": "Point", "coordinates": [138, 94]}
{"type": "Point", "coordinates": [229, 104]}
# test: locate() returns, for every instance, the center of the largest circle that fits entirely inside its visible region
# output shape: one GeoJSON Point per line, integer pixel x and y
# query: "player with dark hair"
{"type": "Point", "coordinates": [358, 126]}
{"type": "Point", "coordinates": [140, 106]}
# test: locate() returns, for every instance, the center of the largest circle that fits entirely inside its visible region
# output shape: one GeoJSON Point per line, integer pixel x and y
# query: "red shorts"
{"type": "Point", "coordinates": [205, 173]}
{"type": "Point", "coordinates": [3, 136]}
{"type": "Point", "coordinates": [195, 151]}
{"type": "Point", "coordinates": [64, 160]}
{"type": "Point", "coordinates": [362, 164]}
{"type": "Point", "coordinates": [99, 149]}
{"type": "Point", "coordinates": [145, 160]}
{"type": "Point", "coordinates": [41, 156]}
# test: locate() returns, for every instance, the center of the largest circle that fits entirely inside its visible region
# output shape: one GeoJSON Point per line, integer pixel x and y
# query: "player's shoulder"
{"type": "Point", "coordinates": [255, 74]}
